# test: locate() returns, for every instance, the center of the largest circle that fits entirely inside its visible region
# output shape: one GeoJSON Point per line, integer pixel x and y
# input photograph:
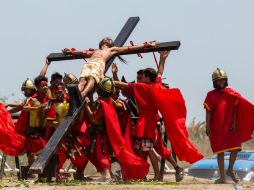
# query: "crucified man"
{"type": "Point", "coordinates": [93, 70]}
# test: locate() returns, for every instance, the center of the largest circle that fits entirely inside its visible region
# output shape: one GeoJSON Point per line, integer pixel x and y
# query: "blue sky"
{"type": "Point", "coordinates": [213, 34]}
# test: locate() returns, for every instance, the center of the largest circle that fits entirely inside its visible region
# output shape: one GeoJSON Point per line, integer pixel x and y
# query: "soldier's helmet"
{"type": "Point", "coordinates": [106, 87]}
{"type": "Point", "coordinates": [28, 84]}
{"type": "Point", "coordinates": [70, 78]}
{"type": "Point", "coordinates": [217, 75]}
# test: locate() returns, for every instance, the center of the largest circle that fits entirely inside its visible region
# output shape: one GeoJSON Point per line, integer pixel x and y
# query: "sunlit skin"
{"type": "Point", "coordinates": [106, 51]}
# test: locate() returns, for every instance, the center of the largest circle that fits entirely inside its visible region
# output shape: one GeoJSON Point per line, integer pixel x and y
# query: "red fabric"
{"type": "Point", "coordinates": [51, 116]}
{"type": "Point", "coordinates": [125, 122]}
{"type": "Point", "coordinates": [11, 143]}
{"type": "Point", "coordinates": [62, 156]}
{"type": "Point", "coordinates": [146, 124]}
{"type": "Point", "coordinates": [34, 144]}
{"type": "Point", "coordinates": [98, 158]}
{"type": "Point", "coordinates": [132, 166]}
{"type": "Point", "coordinates": [22, 123]}
{"type": "Point", "coordinates": [80, 161]}
{"type": "Point", "coordinates": [221, 104]}
{"type": "Point", "coordinates": [81, 125]}
{"type": "Point", "coordinates": [245, 119]}
{"type": "Point", "coordinates": [171, 105]}
{"type": "Point", "coordinates": [160, 148]}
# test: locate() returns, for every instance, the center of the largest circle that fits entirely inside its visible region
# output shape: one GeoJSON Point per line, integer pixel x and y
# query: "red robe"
{"type": "Point", "coordinates": [171, 105]}
{"type": "Point", "coordinates": [11, 143]}
{"type": "Point", "coordinates": [82, 140]}
{"type": "Point", "coordinates": [221, 105]}
{"type": "Point", "coordinates": [132, 166]}
{"type": "Point", "coordinates": [125, 122]}
{"type": "Point", "coordinates": [160, 146]}
{"type": "Point", "coordinates": [22, 123]}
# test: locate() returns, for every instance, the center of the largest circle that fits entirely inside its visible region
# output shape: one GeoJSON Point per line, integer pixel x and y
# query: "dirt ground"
{"type": "Point", "coordinates": [189, 183]}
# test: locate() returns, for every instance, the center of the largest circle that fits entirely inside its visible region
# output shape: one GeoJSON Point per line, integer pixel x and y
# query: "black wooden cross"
{"type": "Point", "coordinates": [76, 106]}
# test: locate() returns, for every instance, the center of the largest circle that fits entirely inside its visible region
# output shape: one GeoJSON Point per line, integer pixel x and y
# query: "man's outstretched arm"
{"type": "Point", "coordinates": [121, 85]}
{"type": "Point", "coordinates": [126, 49]}
{"type": "Point", "coordinates": [73, 51]}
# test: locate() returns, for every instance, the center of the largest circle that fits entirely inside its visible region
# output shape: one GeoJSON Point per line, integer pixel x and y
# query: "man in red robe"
{"type": "Point", "coordinates": [11, 143]}
{"type": "Point", "coordinates": [132, 167]}
{"type": "Point", "coordinates": [229, 122]}
{"type": "Point", "coordinates": [159, 144]}
{"type": "Point", "coordinates": [152, 97]}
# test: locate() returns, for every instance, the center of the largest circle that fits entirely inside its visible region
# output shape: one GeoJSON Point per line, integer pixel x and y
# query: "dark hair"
{"type": "Point", "coordinates": [140, 72]}
{"type": "Point", "coordinates": [55, 76]}
{"type": "Point", "coordinates": [109, 42]}
{"type": "Point", "coordinates": [151, 74]}
{"type": "Point", "coordinates": [40, 78]}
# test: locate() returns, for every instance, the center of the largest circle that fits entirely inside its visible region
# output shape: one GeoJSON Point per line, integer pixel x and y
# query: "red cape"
{"type": "Point", "coordinates": [22, 123]}
{"type": "Point", "coordinates": [11, 143]}
{"type": "Point", "coordinates": [132, 166]}
{"type": "Point", "coordinates": [171, 105]}
{"type": "Point", "coordinates": [245, 119]}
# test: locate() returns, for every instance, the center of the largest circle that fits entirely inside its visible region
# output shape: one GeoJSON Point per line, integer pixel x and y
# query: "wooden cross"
{"type": "Point", "coordinates": [76, 106]}
{"type": "Point", "coordinates": [76, 103]}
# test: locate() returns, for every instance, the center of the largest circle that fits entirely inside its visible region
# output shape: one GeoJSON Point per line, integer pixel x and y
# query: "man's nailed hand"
{"type": "Point", "coordinates": [67, 51]}
{"type": "Point", "coordinates": [152, 43]}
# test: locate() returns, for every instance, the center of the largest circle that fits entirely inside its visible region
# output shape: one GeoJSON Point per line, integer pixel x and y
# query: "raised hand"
{"type": "Point", "coordinates": [114, 68]}
{"type": "Point", "coordinates": [164, 54]}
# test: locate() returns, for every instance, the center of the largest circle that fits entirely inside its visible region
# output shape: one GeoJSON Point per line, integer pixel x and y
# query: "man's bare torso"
{"type": "Point", "coordinates": [102, 55]}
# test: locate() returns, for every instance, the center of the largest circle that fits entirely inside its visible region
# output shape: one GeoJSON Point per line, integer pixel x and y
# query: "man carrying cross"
{"type": "Point", "coordinates": [93, 70]}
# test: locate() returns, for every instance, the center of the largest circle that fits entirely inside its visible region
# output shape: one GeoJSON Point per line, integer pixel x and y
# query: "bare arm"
{"type": "Point", "coordinates": [15, 110]}
{"type": "Point", "coordinates": [87, 53]}
{"type": "Point", "coordinates": [114, 72]}
{"type": "Point", "coordinates": [88, 107]}
{"type": "Point", "coordinates": [163, 57]}
{"type": "Point", "coordinates": [45, 68]}
{"type": "Point", "coordinates": [33, 108]}
{"type": "Point", "coordinates": [13, 105]}
{"type": "Point", "coordinates": [121, 85]}
{"type": "Point", "coordinates": [126, 49]}
{"type": "Point", "coordinates": [208, 117]}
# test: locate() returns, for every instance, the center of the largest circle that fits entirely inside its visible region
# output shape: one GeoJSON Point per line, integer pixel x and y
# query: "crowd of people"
{"type": "Point", "coordinates": [124, 129]}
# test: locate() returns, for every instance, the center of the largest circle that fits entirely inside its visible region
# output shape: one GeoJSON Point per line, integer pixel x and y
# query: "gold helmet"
{"type": "Point", "coordinates": [219, 74]}
{"type": "Point", "coordinates": [106, 87]}
{"type": "Point", "coordinates": [70, 79]}
{"type": "Point", "coordinates": [27, 84]}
